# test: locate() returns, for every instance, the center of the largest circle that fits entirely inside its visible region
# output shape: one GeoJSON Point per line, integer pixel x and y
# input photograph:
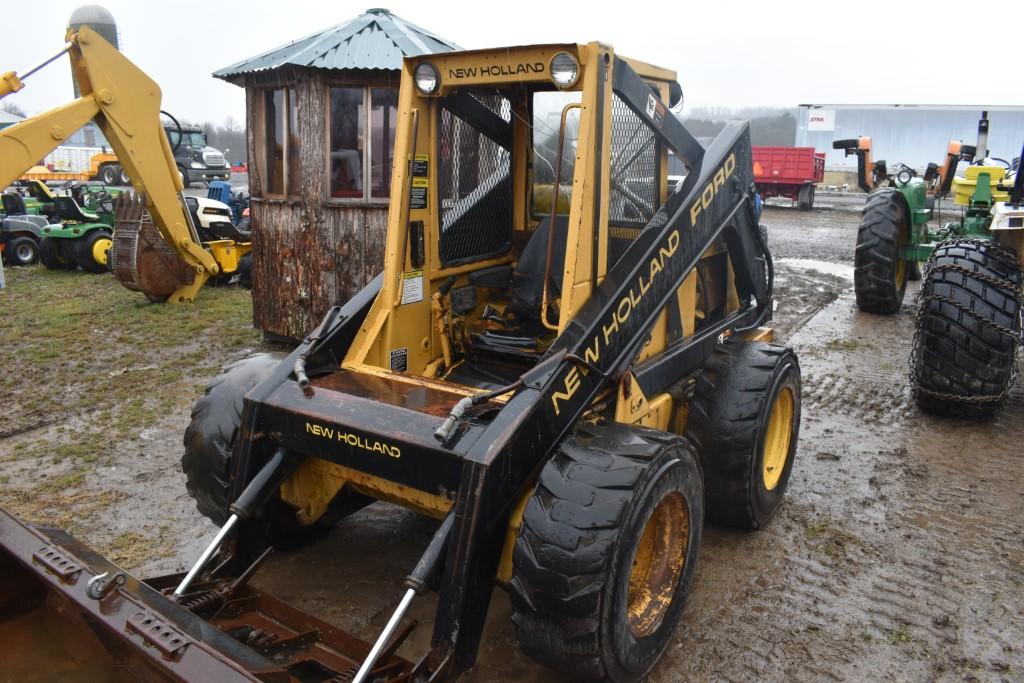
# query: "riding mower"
{"type": "Point", "coordinates": [568, 393]}
{"type": "Point", "coordinates": [968, 326]}
{"type": "Point", "coordinates": [21, 228]}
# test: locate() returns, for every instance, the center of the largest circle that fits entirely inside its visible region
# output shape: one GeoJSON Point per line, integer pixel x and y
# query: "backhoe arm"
{"type": "Point", "coordinates": [125, 104]}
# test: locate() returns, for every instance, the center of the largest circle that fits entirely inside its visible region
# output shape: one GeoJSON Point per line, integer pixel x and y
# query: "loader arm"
{"type": "Point", "coordinates": [125, 103]}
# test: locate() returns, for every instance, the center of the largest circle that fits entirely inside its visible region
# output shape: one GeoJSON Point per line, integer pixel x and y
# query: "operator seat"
{"type": "Point", "coordinates": [523, 315]}
{"type": "Point", "coordinates": [14, 204]}
{"type": "Point", "coordinates": [67, 209]}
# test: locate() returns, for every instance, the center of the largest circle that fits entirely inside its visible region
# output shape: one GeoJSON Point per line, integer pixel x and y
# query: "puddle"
{"type": "Point", "coordinates": [843, 270]}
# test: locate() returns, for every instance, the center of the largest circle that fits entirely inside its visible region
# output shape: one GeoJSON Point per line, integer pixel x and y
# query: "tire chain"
{"type": "Point", "coordinates": [999, 283]}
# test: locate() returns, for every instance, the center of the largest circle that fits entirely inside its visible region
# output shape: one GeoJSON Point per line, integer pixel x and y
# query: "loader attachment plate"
{"type": "Point", "coordinates": [58, 623]}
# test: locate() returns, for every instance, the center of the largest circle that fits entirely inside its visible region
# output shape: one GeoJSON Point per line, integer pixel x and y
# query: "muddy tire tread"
{"type": "Point", "coordinates": [723, 426]}
{"type": "Point", "coordinates": [956, 352]}
{"type": "Point", "coordinates": [563, 555]}
{"type": "Point", "coordinates": [877, 252]}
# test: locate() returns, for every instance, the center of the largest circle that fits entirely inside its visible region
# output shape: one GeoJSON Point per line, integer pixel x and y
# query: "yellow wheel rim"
{"type": "Point", "coordinates": [658, 564]}
{"type": "Point", "coordinates": [101, 250]}
{"type": "Point", "coordinates": [777, 438]}
{"type": "Point", "coordinates": [901, 272]}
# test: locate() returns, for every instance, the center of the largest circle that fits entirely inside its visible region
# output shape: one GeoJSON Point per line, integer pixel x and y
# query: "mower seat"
{"type": "Point", "coordinates": [14, 204]}
{"type": "Point", "coordinates": [225, 230]}
{"type": "Point", "coordinates": [192, 206]}
{"type": "Point", "coordinates": [67, 209]}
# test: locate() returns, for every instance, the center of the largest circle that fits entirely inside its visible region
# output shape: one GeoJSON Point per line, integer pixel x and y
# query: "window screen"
{"type": "Point", "coordinates": [635, 180]}
{"type": "Point", "coordinates": [475, 180]}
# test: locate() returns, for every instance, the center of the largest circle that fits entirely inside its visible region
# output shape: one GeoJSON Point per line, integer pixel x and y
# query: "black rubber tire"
{"type": "Point", "coordinates": [957, 351]}
{"type": "Point", "coordinates": [123, 179]}
{"type": "Point", "coordinates": [83, 252]}
{"type": "Point", "coordinates": [578, 541]}
{"type": "Point", "coordinates": [184, 177]}
{"type": "Point", "coordinates": [21, 251]}
{"type": "Point", "coordinates": [109, 174]}
{"type": "Point", "coordinates": [49, 254]}
{"type": "Point", "coordinates": [913, 271]}
{"type": "Point", "coordinates": [245, 271]}
{"type": "Point", "coordinates": [883, 227]}
{"type": "Point", "coordinates": [209, 448]}
{"type": "Point", "coordinates": [728, 421]}
{"type": "Point", "coordinates": [805, 197]}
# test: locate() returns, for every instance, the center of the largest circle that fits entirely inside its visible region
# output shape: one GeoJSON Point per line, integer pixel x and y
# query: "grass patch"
{"type": "Point", "coordinates": [899, 636]}
{"type": "Point", "coordinates": [86, 342]}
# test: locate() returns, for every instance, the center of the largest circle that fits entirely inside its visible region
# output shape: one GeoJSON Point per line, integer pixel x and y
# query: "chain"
{"type": "Point", "coordinates": [923, 300]}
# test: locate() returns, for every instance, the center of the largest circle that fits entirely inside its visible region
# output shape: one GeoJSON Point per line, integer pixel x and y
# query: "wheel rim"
{"type": "Point", "coordinates": [777, 438]}
{"type": "Point", "coordinates": [24, 253]}
{"type": "Point", "coordinates": [101, 250]}
{"type": "Point", "coordinates": [658, 564]}
{"type": "Point", "coordinates": [901, 272]}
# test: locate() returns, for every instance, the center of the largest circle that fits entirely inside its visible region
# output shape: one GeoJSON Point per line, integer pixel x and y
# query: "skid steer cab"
{"type": "Point", "coordinates": [564, 361]}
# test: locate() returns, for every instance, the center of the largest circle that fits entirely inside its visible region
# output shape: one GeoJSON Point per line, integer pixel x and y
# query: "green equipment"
{"type": "Point", "coordinates": [83, 235]}
{"type": "Point", "coordinates": [968, 325]}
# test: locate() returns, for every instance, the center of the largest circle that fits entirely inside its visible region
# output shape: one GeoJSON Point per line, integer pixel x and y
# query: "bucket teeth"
{"type": "Point", "coordinates": [140, 257]}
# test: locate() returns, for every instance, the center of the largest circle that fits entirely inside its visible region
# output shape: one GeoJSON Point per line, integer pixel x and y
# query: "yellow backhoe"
{"type": "Point", "coordinates": [157, 247]}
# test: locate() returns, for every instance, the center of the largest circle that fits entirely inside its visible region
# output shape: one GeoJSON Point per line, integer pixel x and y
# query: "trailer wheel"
{"type": "Point", "coordinates": [92, 252]}
{"type": "Point", "coordinates": [607, 551]}
{"type": "Point", "coordinates": [109, 173]}
{"type": "Point", "coordinates": [968, 329]}
{"type": "Point", "coordinates": [21, 251]}
{"type": "Point", "coordinates": [805, 197]}
{"type": "Point", "coordinates": [123, 178]}
{"type": "Point", "coordinates": [209, 447]}
{"type": "Point", "coordinates": [49, 254]}
{"type": "Point", "coordinates": [744, 421]}
{"type": "Point", "coordinates": [880, 273]}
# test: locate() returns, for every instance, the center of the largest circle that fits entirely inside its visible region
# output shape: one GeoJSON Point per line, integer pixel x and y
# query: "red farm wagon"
{"type": "Point", "coordinates": [789, 172]}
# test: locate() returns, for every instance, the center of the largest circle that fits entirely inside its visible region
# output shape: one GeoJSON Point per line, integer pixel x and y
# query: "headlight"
{"type": "Point", "coordinates": [426, 78]}
{"type": "Point", "coordinates": [564, 70]}
{"type": "Point", "coordinates": [197, 164]}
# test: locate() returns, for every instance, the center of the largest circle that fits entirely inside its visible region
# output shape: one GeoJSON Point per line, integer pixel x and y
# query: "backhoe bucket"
{"type": "Point", "coordinates": [140, 257]}
{"type": "Point", "coordinates": [68, 614]}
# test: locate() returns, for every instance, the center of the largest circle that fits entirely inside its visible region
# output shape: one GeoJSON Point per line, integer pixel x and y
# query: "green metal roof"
{"type": "Point", "coordinates": [377, 39]}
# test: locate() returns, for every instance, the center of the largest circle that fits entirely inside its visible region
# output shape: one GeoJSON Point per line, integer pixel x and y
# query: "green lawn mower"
{"type": "Point", "coordinates": [968, 326]}
{"type": "Point", "coordinates": [83, 236]}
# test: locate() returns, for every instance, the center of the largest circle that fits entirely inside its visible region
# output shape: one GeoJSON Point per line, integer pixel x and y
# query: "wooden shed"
{"type": "Point", "coordinates": [320, 117]}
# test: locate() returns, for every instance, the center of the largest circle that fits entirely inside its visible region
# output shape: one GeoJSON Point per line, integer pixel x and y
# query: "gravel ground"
{"type": "Point", "coordinates": [897, 555]}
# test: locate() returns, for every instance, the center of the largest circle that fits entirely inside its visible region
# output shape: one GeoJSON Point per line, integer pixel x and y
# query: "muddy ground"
{"type": "Point", "coordinates": [899, 553]}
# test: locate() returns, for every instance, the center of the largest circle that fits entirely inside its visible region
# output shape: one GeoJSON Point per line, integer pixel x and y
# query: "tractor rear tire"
{"type": "Point", "coordinates": [209, 449]}
{"type": "Point", "coordinates": [968, 329]}
{"type": "Point", "coordinates": [607, 551]}
{"type": "Point", "coordinates": [92, 252]}
{"type": "Point", "coordinates": [880, 273]}
{"type": "Point", "coordinates": [21, 251]}
{"type": "Point", "coordinates": [744, 421]}
{"type": "Point", "coordinates": [49, 254]}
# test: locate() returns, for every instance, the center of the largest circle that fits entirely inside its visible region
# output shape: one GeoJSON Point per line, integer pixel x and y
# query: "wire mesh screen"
{"type": "Point", "coordinates": [475, 187]}
{"type": "Point", "coordinates": [635, 180]}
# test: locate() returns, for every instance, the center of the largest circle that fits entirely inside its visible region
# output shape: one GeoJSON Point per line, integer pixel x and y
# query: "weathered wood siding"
{"type": "Point", "coordinates": [308, 254]}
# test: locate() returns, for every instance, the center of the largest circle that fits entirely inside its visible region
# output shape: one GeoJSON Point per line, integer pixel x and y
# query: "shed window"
{"type": "Point", "coordinates": [280, 142]}
{"type": "Point", "coordinates": [360, 166]}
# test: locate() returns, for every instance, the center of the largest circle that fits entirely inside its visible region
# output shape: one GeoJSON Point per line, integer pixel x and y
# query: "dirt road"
{"type": "Point", "coordinates": [898, 555]}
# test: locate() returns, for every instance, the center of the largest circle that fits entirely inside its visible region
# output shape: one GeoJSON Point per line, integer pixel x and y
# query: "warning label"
{"type": "Point", "coordinates": [399, 360]}
{"type": "Point", "coordinates": [421, 166]}
{"type": "Point", "coordinates": [412, 287]}
{"type": "Point", "coordinates": [418, 198]}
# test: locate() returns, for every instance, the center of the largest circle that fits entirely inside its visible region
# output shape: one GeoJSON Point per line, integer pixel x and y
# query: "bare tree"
{"type": "Point", "coordinates": [12, 108]}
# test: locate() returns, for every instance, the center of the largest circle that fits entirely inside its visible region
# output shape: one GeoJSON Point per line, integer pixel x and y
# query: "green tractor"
{"type": "Point", "coordinates": [968, 326]}
{"type": "Point", "coordinates": [83, 236]}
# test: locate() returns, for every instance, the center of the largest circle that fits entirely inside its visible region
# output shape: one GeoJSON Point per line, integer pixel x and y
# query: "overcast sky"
{"type": "Point", "coordinates": [728, 53]}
